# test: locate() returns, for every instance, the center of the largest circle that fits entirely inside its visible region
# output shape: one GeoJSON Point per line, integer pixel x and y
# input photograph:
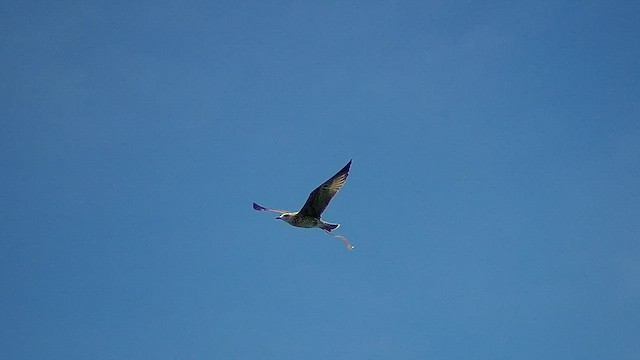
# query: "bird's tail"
{"type": "Point", "coordinates": [329, 226]}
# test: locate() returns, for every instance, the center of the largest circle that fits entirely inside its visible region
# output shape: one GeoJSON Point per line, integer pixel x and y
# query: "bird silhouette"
{"type": "Point", "coordinates": [310, 215]}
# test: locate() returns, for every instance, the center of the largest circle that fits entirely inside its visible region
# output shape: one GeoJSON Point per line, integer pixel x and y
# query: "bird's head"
{"type": "Point", "coordinates": [286, 217]}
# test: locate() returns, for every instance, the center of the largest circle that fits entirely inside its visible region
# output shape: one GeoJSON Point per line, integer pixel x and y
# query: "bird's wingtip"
{"type": "Point", "coordinates": [258, 207]}
{"type": "Point", "coordinates": [348, 166]}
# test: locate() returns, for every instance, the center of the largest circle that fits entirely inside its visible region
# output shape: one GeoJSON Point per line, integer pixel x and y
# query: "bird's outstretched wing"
{"type": "Point", "coordinates": [262, 208]}
{"type": "Point", "coordinates": [320, 197]}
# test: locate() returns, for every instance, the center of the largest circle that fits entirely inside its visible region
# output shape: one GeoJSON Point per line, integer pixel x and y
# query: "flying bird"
{"type": "Point", "coordinates": [310, 214]}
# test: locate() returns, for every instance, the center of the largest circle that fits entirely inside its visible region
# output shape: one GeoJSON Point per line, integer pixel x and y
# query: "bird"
{"type": "Point", "coordinates": [309, 216]}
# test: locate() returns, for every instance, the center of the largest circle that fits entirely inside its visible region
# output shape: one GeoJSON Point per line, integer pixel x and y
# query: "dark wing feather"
{"type": "Point", "coordinates": [262, 208]}
{"type": "Point", "coordinates": [320, 197]}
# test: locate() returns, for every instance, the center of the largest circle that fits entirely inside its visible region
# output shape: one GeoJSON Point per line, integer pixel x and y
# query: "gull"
{"type": "Point", "coordinates": [309, 215]}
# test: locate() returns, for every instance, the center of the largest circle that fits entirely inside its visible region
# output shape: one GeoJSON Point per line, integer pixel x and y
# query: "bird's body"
{"type": "Point", "coordinates": [302, 221]}
{"type": "Point", "coordinates": [310, 214]}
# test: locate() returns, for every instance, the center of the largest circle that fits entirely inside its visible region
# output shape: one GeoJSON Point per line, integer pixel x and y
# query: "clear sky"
{"type": "Point", "coordinates": [494, 196]}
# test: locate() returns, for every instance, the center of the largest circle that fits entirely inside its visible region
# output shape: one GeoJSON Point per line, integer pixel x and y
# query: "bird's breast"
{"type": "Point", "coordinates": [304, 221]}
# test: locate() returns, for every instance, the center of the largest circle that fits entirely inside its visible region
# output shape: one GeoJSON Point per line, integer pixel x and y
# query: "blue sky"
{"type": "Point", "coordinates": [494, 197]}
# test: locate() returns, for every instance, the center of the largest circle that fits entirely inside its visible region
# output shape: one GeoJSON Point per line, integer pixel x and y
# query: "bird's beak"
{"type": "Point", "coordinates": [278, 218]}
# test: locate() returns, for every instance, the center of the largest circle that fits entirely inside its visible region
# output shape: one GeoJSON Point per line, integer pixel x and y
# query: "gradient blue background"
{"type": "Point", "coordinates": [494, 197]}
